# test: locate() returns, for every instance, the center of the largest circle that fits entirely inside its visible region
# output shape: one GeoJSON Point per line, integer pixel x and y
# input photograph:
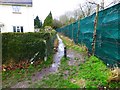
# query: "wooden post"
{"type": "Point", "coordinates": [78, 30]}
{"type": "Point", "coordinates": [95, 27]}
{"type": "Point", "coordinates": [72, 31]}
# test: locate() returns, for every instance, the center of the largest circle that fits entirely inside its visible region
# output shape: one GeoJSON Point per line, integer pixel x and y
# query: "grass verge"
{"type": "Point", "coordinates": [12, 77]}
{"type": "Point", "coordinates": [71, 45]}
{"type": "Point", "coordinates": [91, 74]}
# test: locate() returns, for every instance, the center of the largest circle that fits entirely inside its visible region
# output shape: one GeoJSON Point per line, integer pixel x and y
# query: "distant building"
{"type": "Point", "coordinates": [16, 16]}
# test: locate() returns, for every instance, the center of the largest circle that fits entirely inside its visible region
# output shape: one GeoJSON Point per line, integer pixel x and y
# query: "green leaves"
{"type": "Point", "coordinates": [37, 22]}
{"type": "Point", "coordinates": [23, 46]}
{"type": "Point", "coordinates": [54, 81]}
{"type": "Point", "coordinates": [48, 21]}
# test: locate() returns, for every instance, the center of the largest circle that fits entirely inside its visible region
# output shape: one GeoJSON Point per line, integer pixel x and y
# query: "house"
{"type": "Point", "coordinates": [16, 16]}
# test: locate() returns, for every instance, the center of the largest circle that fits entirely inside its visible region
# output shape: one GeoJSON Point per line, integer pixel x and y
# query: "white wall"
{"type": "Point", "coordinates": [10, 19]}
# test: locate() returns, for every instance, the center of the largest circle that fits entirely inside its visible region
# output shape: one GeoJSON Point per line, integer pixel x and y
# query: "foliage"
{"type": "Point", "coordinates": [37, 22]}
{"type": "Point", "coordinates": [48, 21]}
{"type": "Point", "coordinates": [64, 20]}
{"type": "Point", "coordinates": [94, 72]}
{"type": "Point", "coordinates": [72, 20]}
{"type": "Point", "coordinates": [23, 46]}
{"type": "Point", "coordinates": [92, 77]}
{"type": "Point", "coordinates": [91, 74]}
{"type": "Point", "coordinates": [54, 81]}
{"type": "Point", "coordinates": [11, 77]}
{"type": "Point", "coordinates": [71, 45]}
{"type": "Point", "coordinates": [56, 24]}
{"type": "Point", "coordinates": [82, 33]}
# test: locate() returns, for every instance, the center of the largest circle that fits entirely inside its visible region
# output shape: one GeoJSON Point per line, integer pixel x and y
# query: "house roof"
{"type": "Point", "coordinates": [16, 2]}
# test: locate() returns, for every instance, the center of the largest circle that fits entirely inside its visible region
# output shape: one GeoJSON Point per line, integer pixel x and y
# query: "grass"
{"type": "Point", "coordinates": [56, 42]}
{"type": "Point", "coordinates": [10, 78]}
{"type": "Point", "coordinates": [91, 74]}
{"type": "Point", "coordinates": [94, 72]}
{"type": "Point", "coordinates": [54, 81]}
{"type": "Point", "coordinates": [71, 45]}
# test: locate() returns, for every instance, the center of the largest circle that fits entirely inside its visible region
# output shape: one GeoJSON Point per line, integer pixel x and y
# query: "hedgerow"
{"type": "Point", "coordinates": [23, 46]}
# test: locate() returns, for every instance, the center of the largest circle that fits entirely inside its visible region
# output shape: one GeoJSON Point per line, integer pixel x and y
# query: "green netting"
{"type": "Point", "coordinates": [86, 31]}
{"type": "Point", "coordinates": [108, 40]}
{"type": "Point", "coordinates": [108, 34]}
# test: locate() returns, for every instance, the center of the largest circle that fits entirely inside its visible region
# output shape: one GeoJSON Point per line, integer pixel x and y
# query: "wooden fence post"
{"type": "Point", "coordinates": [95, 27]}
{"type": "Point", "coordinates": [78, 30]}
{"type": "Point", "coordinates": [72, 32]}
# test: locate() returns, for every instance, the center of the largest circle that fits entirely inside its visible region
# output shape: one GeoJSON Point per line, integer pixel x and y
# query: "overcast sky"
{"type": "Point", "coordinates": [57, 7]}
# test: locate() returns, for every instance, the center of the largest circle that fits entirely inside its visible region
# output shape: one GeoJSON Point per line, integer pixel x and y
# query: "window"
{"type": "Point", "coordinates": [21, 28]}
{"type": "Point", "coordinates": [14, 29]}
{"type": "Point", "coordinates": [16, 9]}
{"type": "Point", "coordinates": [17, 28]}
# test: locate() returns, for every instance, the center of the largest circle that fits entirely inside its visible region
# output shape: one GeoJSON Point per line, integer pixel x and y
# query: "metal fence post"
{"type": "Point", "coordinates": [65, 52]}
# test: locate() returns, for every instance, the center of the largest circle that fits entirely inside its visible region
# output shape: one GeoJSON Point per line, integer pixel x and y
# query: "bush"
{"type": "Point", "coordinates": [23, 46]}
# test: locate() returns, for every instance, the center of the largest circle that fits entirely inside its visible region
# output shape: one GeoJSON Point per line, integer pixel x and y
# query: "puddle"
{"type": "Point", "coordinates": [54, 67]}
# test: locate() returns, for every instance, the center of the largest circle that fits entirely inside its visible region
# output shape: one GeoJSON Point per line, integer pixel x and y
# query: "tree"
{"type": "Point", "coordinates": [87, 9]}
{"type": "Point", "coordinates": [72, 20]}
{"type": "Point", "coordinates": [37, 22]}
{"type": "Point", "coordinates": [83, 11]}
{"type": "Point", "coordinates": [113, 2]}
{"type": "Point", "coordinates": [56, 24]}
{"type": "Point", "coordinates": [64, 20]}
{"type": "Point", "coordinates": [49, 20]}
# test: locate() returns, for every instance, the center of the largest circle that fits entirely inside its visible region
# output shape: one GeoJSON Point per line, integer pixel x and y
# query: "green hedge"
{"type": "Point", "coordinates": [23, 46]}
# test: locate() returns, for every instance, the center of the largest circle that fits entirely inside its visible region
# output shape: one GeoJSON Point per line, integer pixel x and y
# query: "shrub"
{"type": "Point", "coordinates": [23, 46]}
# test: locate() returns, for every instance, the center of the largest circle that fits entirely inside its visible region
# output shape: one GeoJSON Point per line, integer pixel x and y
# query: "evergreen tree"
{"type": "Point", "coordinates": [37, 22]}
{"type": "Point", "coordinates": [49, 20]}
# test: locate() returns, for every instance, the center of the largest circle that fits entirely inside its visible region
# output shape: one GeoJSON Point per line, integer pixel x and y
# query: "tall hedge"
{"type": "Point", "coordinates": [23, 46]}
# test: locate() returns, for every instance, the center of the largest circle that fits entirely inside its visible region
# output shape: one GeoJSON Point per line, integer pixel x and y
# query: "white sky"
{"type": "Point", "coordinates": [57, 7]}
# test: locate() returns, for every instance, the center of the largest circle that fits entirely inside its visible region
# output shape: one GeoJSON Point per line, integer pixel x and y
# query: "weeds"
{"type": "Point", "coordinates": [91, 74]}
{"type": "Point", "coordinates": [12, 77]}
{"type": "Point", "coordinates": [71, 45]}
{"type": "Point", "coordinates": [54, 81]}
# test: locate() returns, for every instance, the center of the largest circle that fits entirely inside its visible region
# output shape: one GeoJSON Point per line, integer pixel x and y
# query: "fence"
{"type": "Point", "coordinates": [107, 45]}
